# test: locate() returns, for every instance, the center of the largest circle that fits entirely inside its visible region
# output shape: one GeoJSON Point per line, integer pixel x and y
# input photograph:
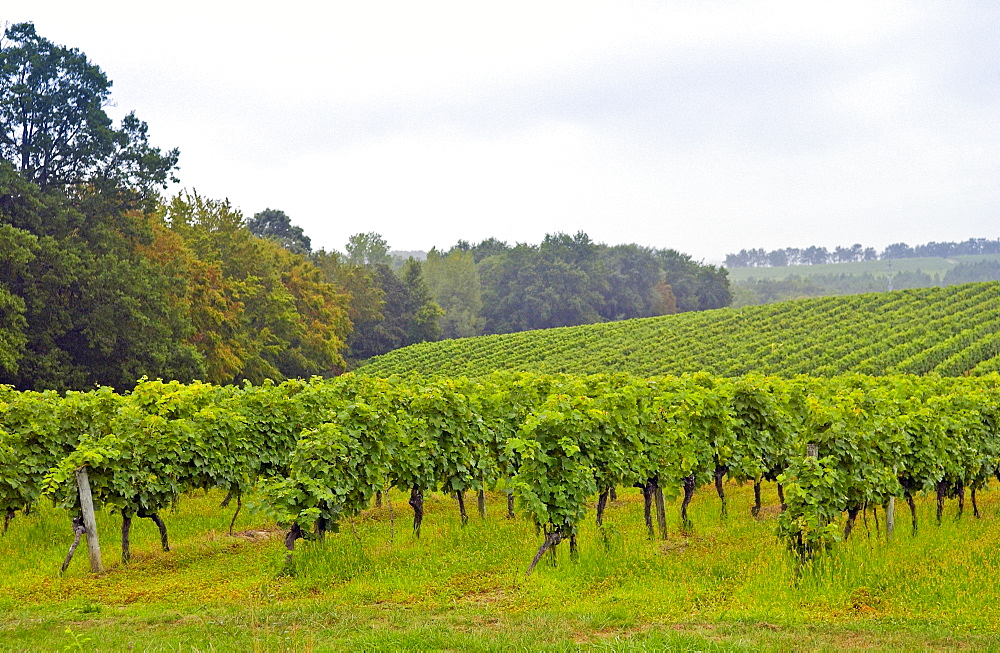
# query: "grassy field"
{"type": "Point", "coordinates": [931, 266]}
{"type": "Point", "coordinates": [727, 585]}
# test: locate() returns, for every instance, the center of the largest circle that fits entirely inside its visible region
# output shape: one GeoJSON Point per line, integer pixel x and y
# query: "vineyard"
{"type": "Point", "coordinates": [316, 453]}
{"type": "Point", "coordinates": [948, 331]}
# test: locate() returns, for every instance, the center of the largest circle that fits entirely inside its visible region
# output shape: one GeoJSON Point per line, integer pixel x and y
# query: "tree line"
{"type": "Point", "coordinates": [104, 279]}
{"type": "Point", "coordinates": [813, 255]}
{"type": "Point", "coordinates": [494, 287]}
{"type": "Point", "coordinates": [750, 292]}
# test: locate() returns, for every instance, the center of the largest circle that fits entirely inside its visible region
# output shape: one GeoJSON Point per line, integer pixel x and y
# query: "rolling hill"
{"type": "Point", "coordinates": [948, 331]}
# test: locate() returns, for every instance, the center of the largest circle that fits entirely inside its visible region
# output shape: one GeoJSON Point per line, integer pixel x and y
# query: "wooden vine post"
{"type": "Point", "coordinates": [89, 521]}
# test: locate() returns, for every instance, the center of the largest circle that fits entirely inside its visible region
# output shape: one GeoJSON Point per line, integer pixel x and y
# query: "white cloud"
{"type": "Point", "coordinates": [703, 126]}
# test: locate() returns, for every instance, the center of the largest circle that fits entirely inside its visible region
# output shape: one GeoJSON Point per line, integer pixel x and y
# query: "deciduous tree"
{"type": "Point", "coordinates": [454, 283]}
{"type": "Point", "coordinates": [54, 129]}
{"type": "Point", "coordinates": [276, 225]}
{"type": "Point", "coordinates": [368, 249]}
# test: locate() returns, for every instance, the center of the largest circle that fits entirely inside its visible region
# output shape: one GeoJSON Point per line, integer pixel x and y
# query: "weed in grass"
{"type": "Point", "coordinates": [76, 641]}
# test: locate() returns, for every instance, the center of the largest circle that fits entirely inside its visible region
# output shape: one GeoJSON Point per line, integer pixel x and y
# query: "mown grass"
{"type": "Point", "coordinates": [727, 585]}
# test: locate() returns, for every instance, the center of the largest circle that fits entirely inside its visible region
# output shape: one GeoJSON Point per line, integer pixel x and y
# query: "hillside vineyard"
{"type": "Point", "coordinates": [948, 331]}
{"type": "Point", "coordinates": [315, 453]}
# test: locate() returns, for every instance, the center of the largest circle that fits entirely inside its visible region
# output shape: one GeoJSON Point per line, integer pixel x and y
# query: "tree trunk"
{"type": "Point", "coordinates": [239, 504]}
{"type": "Point", "coordinates": [852, 514]}
{"type": "Point", "coordinates": [159, 524]}
{"type": "Point", "coordinates": [781, 497]}
{"type": "Point", "coordinates": [294, 533]}
{"type": "Point", "coordinates": [574, 552]}
{"type": "Point", "coordinates": [6, 520]}
{"type": "Point", "coordinates": [510, 505]}
{"type": "Point", "coordinates": [481, 503]}
{"type": "Point", "coordinates": [126, 530]}
{"type": "Point", "coordinates": [392, 517]}
{"type": "Point", "coordinates": [688, 493]}
{"type": "Point", "coordinates": [647, 498]}
{"type": "Point", "coordinates": [942, 487]}
{"type": "Point", "coordinates": [975, 506]}
{"type": "Point", "coordinates": [417, 503]}
{"type": "Point", "coordinates": [755, 511]}
{"type": "Point", "coordinates": [913, 511]}
{"type": "Point", "coordinates": [613, 495]}
{"type": "Point", "coordinates": [378, 498]}
{"type": "Point", "coordinates": [720, 473]}
{"type": "Point", "coordinates": [78, 531]}
{"type": "Point", "coordinates": [461, 507]}
{"type": "Point", "coordinates": [961, 499]}
{"type": "Point", "coordinates": [163, 531]}
{"type": "Point", "coordinates": [602, 501]}
{"type": "Point", "coordinates": [551, 540]}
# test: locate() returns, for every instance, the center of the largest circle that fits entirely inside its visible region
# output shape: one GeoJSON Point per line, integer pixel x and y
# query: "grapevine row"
{"type": "Point", "coordinates": [316, 452]}
{"type": "Point", "coordinates": [950, 331]}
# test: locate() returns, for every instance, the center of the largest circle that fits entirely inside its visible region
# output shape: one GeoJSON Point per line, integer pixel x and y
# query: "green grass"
{"type": "Point", "coordinates": [728, 585]}
{"type": "Point", "coordinates": [929, 265]}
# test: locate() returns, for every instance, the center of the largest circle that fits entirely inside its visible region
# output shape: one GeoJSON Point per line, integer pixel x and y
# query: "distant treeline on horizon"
{"type": "Point", "coordinates": [760, 258]}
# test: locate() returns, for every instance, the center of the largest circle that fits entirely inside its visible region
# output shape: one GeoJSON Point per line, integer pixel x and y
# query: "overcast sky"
{"type": "Point", "coordinates": [707, 127]}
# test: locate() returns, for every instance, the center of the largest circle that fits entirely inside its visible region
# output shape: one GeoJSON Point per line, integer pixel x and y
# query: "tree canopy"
{"type": "Point", "coordinates": [276, 225]}
{"type": "Point", "coordinates": [103, 282]}
{"type": "Point", "coordinates": [17, 248]}
{"type": "Point", "coordinates": [368, 249]}
{"type": "Point", "coordinates": [813, 255]}
{"type": "Point", "coordinates": [453, 280]}
{"type": "Point", "coordinates": [569, 280]}
{"type": "Point", "coordinates": [53, 127]}
{"type": "Point", "coordinates": [409, 314]}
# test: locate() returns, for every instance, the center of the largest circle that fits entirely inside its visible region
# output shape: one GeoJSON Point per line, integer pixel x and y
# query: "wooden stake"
{"type": "Point", "coordinates": [661, 514]}
{"type": "Point", "coordinates": [89, 521]}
